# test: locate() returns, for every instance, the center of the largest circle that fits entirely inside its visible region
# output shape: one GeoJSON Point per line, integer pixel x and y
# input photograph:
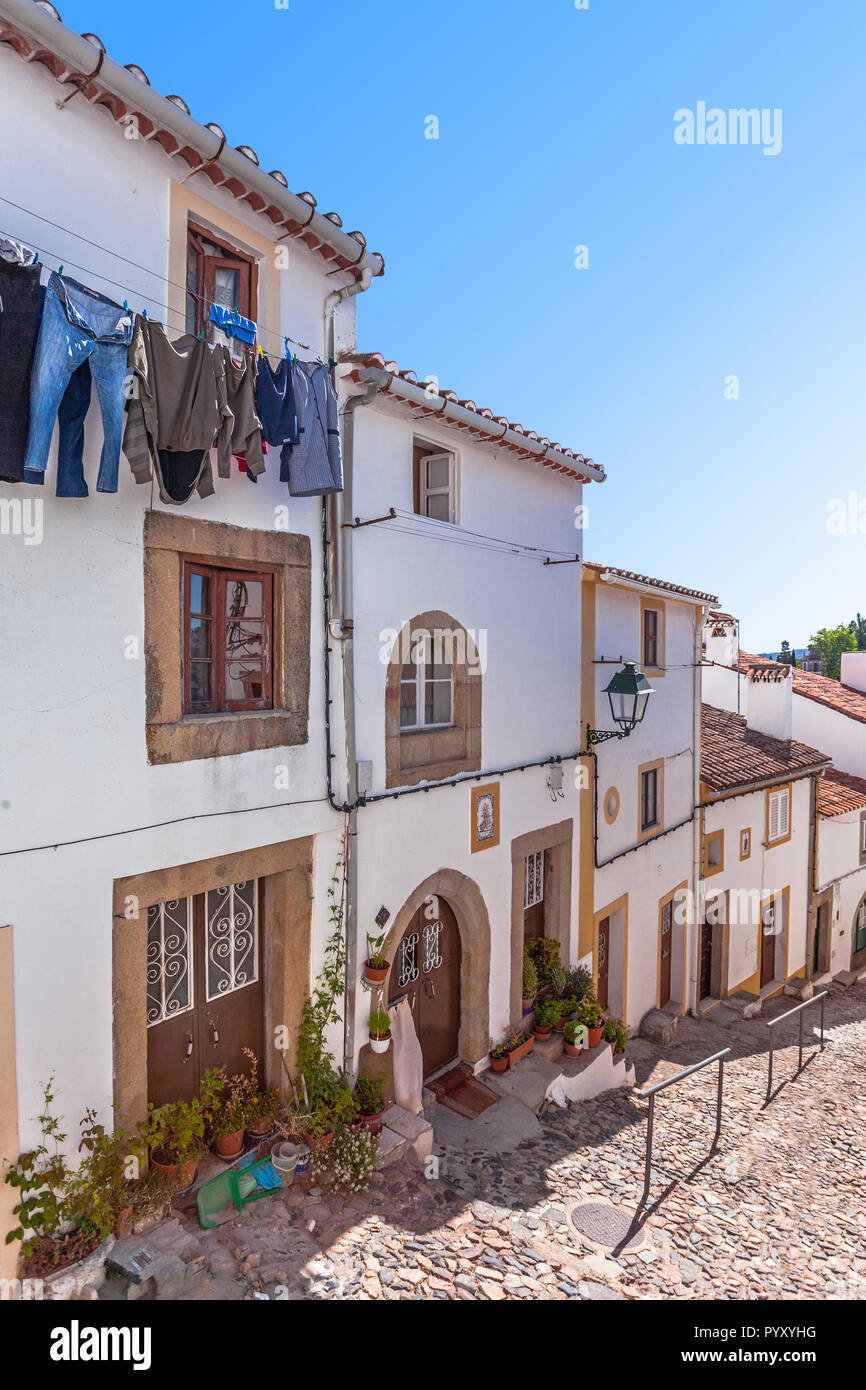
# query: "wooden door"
{"type": "Point", "coordinates": [768, 944]}
{"type": "Point", "coordinates": [705, 977]}
{"type": "Point", "coordinates": [533, 895]}
{"type": "Point", "coordinates": [603, 960]}
{"type": "Point", "coordinates": [427, 970]}
{"type": "Point", "coordinates": [204, 988]}
{"type": "Point", "coordinates": [667, 936]}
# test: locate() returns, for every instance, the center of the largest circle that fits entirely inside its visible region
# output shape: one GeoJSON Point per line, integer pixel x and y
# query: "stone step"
{"type": "Point", "coordinates": [745, 1004]}
{"type": "Point", "coordinates": [659, 1026]}
{"type": "Point", "coordinates": [550, 1049]}
{"type": "Point", "coordinates": [404, 1136]}
{"type": "Point", "coordinates": [528, 1081]}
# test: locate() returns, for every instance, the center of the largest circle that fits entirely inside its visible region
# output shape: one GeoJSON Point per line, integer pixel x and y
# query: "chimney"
{"type": "Point", "coordinates": [854, 670]}
{"type": "Point", "coordinates": [770, 701]}
{"type": "Point", "coordinates": [721, 642]}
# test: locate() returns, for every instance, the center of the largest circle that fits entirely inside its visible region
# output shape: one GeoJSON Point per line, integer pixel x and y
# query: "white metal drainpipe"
{"type": "Point", "coordinates": [340, 508]}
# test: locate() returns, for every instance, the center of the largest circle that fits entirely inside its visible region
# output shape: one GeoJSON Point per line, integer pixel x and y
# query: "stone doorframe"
{"type": "Point", "coordinates": [557, 841]}
{"type": "Point", "coordinates": [825, 900]}
{"type": "Point", "coordinates": [464, 898]}
{"type": "Point", "coordinates": [287, 871]}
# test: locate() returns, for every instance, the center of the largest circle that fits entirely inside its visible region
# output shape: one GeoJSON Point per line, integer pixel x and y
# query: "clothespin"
{"type": "Point", "coordinates": [261, 354]}
{"type": "Point", "coordinates": [286, 342]}
{"type": "Point", "coordinates": [60, 272]}
{"type": "Point", "coordinates": [36, 262]}
{"type": "Point", "coordinates": [125, 307]}
{"type": "Point", "coordinates": [144, 311]}
{"type": "Point", "coordinates": [331, 363]}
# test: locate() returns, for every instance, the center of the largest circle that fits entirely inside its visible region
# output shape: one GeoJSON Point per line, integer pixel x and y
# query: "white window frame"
{"type": "Point", "coordinates": [421, 663]}
{"type": "Point", "coordinates": [776, 800]}
{"type": "Point", "coordinates": [425, 492]}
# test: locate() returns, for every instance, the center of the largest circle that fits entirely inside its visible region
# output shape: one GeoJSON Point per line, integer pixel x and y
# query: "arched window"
{"type": "Point", "coordinates": [433, 701]}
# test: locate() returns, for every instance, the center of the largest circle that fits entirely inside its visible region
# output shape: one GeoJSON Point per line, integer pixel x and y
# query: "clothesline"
{"type": "Point", "coordinates": [152, 299]}
{"type": "Point", "coordinates": [166, 404]}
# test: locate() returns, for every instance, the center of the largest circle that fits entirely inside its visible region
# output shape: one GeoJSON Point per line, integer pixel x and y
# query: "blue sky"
{"type": "Point", "coordinates": [556, 130]}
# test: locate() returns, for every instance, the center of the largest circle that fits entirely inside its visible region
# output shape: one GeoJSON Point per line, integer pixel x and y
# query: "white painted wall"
{"type": "Point", "coordinates": [767, 871]}
{"type": "Point", "coordinates": [73, 750]}
{"type": "Point", "coordinates": [839, 865]}
{"type": "Point", "coordinates": [652, 871]}
{"type": "Point", "coordinates": [530, 615]}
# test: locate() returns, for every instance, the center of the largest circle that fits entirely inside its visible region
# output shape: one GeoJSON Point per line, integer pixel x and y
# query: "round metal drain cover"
{"type": "Point", "coordinates": [607, 1225]}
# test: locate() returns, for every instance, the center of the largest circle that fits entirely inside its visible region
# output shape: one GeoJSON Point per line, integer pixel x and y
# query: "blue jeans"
{"type": "Point", "coordinates": [78, 325]}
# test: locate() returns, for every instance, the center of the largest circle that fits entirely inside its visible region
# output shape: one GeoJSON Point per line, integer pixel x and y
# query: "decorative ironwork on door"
{"type": "Point", "coordinates": [407, 960]}
{"type": "Point", "coordinates": [232, 938]}
{"type": "Point", "coordinates": [533, 884]}
{"type": "Point", "coordinates": [169, 960]}
{"type": "Point", "coordinates": [432, 954]}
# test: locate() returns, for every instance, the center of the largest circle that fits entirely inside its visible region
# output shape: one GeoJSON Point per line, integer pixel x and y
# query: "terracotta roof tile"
{"type": "Point", "coordinates": [822, 689]}
{"type": "Point", "coordinates": [733, 755]}
{"type": "Point", "coordinates": [656, 583]}
{"type": "Point", "coordinates": [498, 423]}
{"type": "Point", "coordinates": [839, 792]}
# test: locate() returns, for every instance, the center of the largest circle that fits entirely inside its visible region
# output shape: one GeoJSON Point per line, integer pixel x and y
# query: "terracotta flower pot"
{"type": "Point", "coordinates": [318, 1141]}
{"type": "Point", "coordinates": [595, 1035]}
{"type": "Point", "coordinates": [528, 1005]}
{"type": "Point", "coordinates": [183, 1172]}
{"type": "Point", "coordinates": [261, 1126]}
{"type": "Point", "coordinates": [498, 1064]}
{"type": "Point", "coordinates": [372, 1122]}
{"type": "Point", "coordinates": [376, 974]}
{"type": "Point", "coordinates": [523, 1050]}
{"type": "Point", "coordinates": [381, 1044]}
{"type": "Point", "coordinates": [572, 1050]}
{"type": "Point", "coordinates": [230, 1145]}
{"type": "Point", "coordinates": [541, 1032]}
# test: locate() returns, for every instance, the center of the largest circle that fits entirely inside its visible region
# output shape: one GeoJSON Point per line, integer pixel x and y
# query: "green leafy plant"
{"type": "Point", "coordinates": [514, 1038]}
{"type": "Point", "coordinates": [544, 954]}
{"type": "Point", "coordinates": [615, 1032]}
{"type": "Point", "coordinates": [379, 1024]}
{"type": "Point", "coordinates": [375, 954]}
{"type": "Point", "coordinates": [264, 1101]}
{"type": "Point", "coordinates": [370, 1093]}
{"type": "Point", "coordinates": [498, 1050]}
{"type": "Point", "coordinates": [566, 1006]}
{"type": "Point", "coordinates": [590, 1012]}
{"type": "Point", "coordinates": [574, 1032]}
{"type": "Point", "coordinates": [530, 976]}
{"type": "Point", "coordinates": [175, 1133]}
{"type": "Point", "coordinates": [547, 1016]}
{"type": "Point", "coordinates": [104, 1182]}
{"type": "Point", "coordinates": [578, 982]}
{"type": "Point", "coordinates": [40, 1176]}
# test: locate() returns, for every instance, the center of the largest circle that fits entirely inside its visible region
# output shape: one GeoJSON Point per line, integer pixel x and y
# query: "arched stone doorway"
{"type": "Point", "coordinates": [463, 897]}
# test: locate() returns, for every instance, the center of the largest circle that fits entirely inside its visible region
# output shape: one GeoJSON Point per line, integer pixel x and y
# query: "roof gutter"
{"type": "Point", "coordinates": [611, 577]}
{"type": "Point", "coordinates": [80, 58]}
{"type": "Point", "coordinates": [744, 788]}
{"type": "Point", "coordinates": [442, 408]}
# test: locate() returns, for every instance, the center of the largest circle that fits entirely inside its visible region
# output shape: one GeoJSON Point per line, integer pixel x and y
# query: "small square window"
{"type": "Point", "coordinates": [714, 853]}
{"type": "Point", "coordinates": [228, 621]}
{"type": "Point", "coordinates": [650, 814]}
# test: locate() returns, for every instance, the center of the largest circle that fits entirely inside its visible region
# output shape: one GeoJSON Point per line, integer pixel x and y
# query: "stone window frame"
{"type": "Point", "coordinates": [173, 736]}
{"type": "Point", "coordinates": [433, 754]}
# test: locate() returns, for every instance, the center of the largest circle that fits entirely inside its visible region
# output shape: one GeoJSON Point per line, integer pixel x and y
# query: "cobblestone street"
{"type": "Point", "coordinates": [778, 1211]}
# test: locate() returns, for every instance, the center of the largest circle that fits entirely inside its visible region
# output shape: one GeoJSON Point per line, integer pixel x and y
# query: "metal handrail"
{"type": "Point", "coordinates": [798, 1009]}
{"type": "Point", "coordinates": [651, 1093]}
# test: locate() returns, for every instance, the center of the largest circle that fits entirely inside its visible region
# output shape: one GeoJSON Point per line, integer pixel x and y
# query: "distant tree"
{"type": "Point", "coordinates": [786, 656]}
{"type": "Point", "coordinates": [859, 626]}
{"type": "Point", "coordinates": [831, 643]}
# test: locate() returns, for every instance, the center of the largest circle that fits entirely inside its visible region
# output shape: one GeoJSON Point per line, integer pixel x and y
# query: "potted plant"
{"type": "Point", "coordinates": [575, 1036]}
{"type": "Point", "coordinates": [376, 967]}
{"type": "Point", "coordinates": [370, 1098]}
{"type": "Point", "coordinates": [517, 1044]}
{"type": "Point", "coordinates": [498, 1057]}
{"type": "Point", "coordinates": [263, 1102]}
{"type": "Point", "coordinates": [567, 1008]}
{"type": "Point", "coordinates": [544, 954]}
{"type": "Point", "coordinates": [174, 1135]}
{"type": "Point", "coordinates": [578, 983]}
{"type": "Point", "coordinates": [380, 1031]}
{"type": "Point", "coordinates": [616, 1033]}
{"type": "Point", "coordinates": [530, 982]}
{"type": "Point", "coordinates": [546, 1017]}
{"type": "Point", "coordinates": [591, 1014]}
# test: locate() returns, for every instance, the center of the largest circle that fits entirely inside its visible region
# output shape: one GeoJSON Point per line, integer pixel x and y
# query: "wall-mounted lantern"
{"type": "Point", "coordinates": [628, 693]}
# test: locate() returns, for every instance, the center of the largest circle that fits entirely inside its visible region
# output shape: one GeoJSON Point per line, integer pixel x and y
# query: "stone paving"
{"type": "Point", "coordinates": [778, 1210]}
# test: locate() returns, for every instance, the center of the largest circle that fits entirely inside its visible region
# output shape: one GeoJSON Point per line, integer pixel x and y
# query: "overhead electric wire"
{"type": "Point", "coordinates": [129, 289]}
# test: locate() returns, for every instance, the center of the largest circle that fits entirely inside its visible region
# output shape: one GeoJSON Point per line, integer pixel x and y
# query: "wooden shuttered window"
{"type": "Point", "coordinates": [228, 627]}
